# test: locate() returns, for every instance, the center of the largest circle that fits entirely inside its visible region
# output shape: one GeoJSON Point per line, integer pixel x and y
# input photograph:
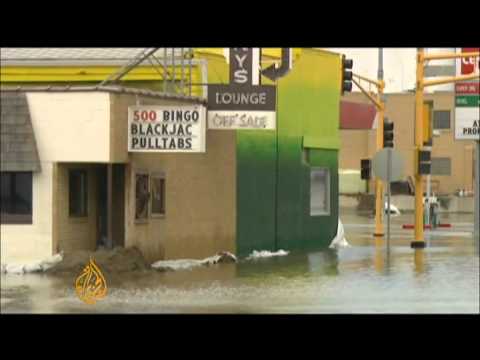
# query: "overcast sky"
{"type": "Point", "coordinates": [399, 66]}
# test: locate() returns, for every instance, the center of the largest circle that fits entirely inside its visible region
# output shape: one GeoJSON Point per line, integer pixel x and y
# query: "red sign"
{"type": "Point", "coordinates": [470, 64]}
{"type": "Point", "coordinates": [470, 88]}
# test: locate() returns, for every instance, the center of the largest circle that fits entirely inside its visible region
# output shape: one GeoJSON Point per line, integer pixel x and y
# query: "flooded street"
{"type": "Point", "coordinates": [357, 279]}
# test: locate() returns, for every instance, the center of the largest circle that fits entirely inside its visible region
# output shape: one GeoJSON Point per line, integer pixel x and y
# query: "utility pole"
{"type": "Point", "coordinates": [378, 184]}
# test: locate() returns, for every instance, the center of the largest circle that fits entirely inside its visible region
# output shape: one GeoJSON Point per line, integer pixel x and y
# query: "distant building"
{"type": "Point", "coordinates": [452, 161]}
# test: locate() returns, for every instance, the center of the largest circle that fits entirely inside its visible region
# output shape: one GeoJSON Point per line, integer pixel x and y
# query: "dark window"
{"type": "Point", "coordinates": [142, 196]}
{"type": "Point", "coordinates": [158, 195]}
{"type": "Point", "coordinates": [77, 189]}
{"type": "Point", "coordinates": [16, 198]}
{"type": "Point", "coordinates": [441, 119]}
{"type": "Point", "coordinates": [441, 166]}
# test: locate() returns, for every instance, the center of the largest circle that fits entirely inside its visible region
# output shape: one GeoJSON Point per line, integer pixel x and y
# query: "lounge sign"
{"type": "Point", "coordinates": [241, 107]}
{"type": "Point", "coordinates": [166, 128]}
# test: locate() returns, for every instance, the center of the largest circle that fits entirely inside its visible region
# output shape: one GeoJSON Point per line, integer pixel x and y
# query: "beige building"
{"type": "Point", "coordinates": [81, 188]}
{"type": "Point", "coordinates": [453, 161]}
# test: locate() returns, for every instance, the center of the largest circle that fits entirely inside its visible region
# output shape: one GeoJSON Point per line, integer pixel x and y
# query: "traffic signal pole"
{"type": "Point", "coordinates": [380, 105]}
{"type": "Point", "coordinates": [378, 184]}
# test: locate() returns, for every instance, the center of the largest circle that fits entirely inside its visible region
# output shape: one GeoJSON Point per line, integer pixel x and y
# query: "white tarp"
{"type": "Point", "coordinates": [266, 254]}
{"type": "Point", "coordinates": [38, 266]}
{"type": "Point", "coordinates": [188, 264]}
{"type": "Point", "coordinates": [339, 240]}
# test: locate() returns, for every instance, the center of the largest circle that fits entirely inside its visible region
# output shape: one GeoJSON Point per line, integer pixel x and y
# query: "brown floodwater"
{"type": "Point", "coordinates": [362, 278]}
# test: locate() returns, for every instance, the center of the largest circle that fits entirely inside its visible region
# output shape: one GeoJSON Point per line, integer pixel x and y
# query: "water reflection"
{"type": "Point", "coordinates": [379, 259]}
{"type": "Point", "coordinates": [325, 262]}
{"type": "Point", "coordinates": [419, 261]}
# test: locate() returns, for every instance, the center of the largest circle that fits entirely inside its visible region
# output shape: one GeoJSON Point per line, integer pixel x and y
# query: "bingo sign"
{"type": "Point", "coordinates": [166, 129]}
{"type": "Point", "coordinates": [467, 99]}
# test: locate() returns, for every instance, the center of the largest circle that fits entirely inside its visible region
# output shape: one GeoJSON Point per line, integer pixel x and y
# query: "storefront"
{"type": "Point", "coordinates": [87, 190]}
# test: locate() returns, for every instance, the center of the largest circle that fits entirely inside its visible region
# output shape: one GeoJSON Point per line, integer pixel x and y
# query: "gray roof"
{"type": "Point", "coordinates": [78, 56]}
{"type": "Point", "coordinates": [18, 146]}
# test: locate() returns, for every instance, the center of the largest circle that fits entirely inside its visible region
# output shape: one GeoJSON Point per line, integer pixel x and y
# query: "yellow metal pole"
{"type": "Point", "coordinates": [371, 81]}
{"type": "Point", "coordinates": [450, 56]}
{"type": "Point", "coordinates": [418, 146]}
{"type": "Point", "coordinates": [377, 102]}
{"type": "Point", "coordinates": [449, 80]}
{"type": "Point", "coordinates": [378, 184]}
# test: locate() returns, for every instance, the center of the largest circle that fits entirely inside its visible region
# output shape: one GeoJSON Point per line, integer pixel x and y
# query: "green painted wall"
{"type": "Point", "coordinates": [256, 186]}
{"type": "Point", "coordinates": [308, 120]}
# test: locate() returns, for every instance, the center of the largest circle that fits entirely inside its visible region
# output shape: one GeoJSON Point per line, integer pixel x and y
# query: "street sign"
{"type": "Point", "coordinates": [274, 73]}
{"type": "Point", "coordinates": [469, 65]}
{"type": "Point", "coordinates": [387, 165]}
{"type": "Point", "coordinates": [467, 99]}
{"type": "Point", "coordinates": [388, 170]}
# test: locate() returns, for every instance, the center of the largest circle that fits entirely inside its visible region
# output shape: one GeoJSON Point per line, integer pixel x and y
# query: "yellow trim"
{"type": "Point", "coordinates": [87, 73]}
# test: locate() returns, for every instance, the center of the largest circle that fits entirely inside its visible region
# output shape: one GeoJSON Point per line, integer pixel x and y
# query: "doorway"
{"type": "Point", "coordinates": [111, 206]}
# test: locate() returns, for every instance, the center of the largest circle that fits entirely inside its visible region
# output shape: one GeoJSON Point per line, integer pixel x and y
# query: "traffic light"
{"type": "Point", "coordinates": [388, 134]}
{"type": "Point", "coordinates": [424, 162]}
{"type": "Point", "coordinates": [347, 64]}
{"type": "Point", "coordinates": [366, 169]}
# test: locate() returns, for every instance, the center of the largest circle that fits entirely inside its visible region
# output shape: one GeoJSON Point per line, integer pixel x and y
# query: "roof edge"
{"type": "Point", "coordinates": [98, 88]}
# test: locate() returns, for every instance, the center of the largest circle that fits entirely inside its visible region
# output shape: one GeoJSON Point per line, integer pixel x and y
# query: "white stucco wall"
{"type": "Point", "coordinates": [69, 127]}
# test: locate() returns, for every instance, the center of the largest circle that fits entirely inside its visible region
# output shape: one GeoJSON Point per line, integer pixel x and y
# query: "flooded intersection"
{"type": "Point", "coordinates": [357, 279]}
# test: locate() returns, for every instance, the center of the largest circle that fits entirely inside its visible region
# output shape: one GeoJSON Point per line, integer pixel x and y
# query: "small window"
{"type": "Point", "coordinates": [441, 166]}
{"type": "Point", "coordinates": [77, 193]}
{"type": "Point", "coordinates": [441, 120]}
{"type": "Point", "coordinates": [319, 191]}
{"type": "Point", "coordinates": [158, 195]}
{"type": "Point", "coordinates": [16, 198]}
{"type": "Point", "coordinates": [142, 196]}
